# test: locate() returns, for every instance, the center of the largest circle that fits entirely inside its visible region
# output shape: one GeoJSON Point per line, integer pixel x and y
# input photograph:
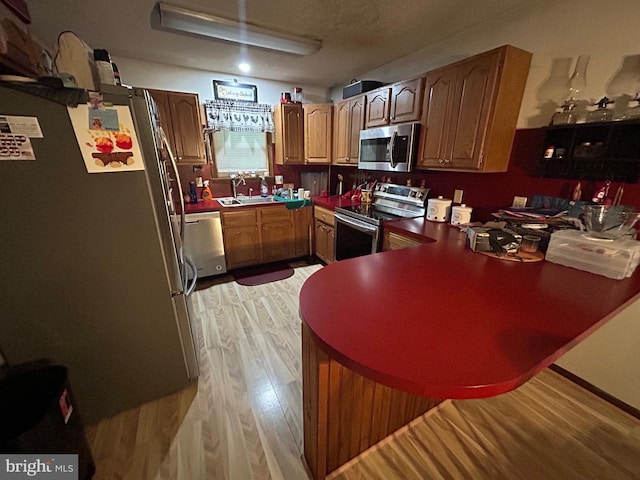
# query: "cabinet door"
{"type": "Point", "coordinates": [187, 128]}
{"type": "Point", "coordinates": [241, 238]}
{"type": "Point", "coordinates": [436, 114]}
{"type": "Point", "coordinates": [378, 108]}
{"type": "Point", "coordinates": [289, 134]}
{"type": "Point", "coordinates": [341, 132]}
{"type": "Point", "coordinates": [180, 120]}
{"type": "Point", "coordinates": [276, 233]}
{"type": "Point", "coordinates": [406, 101]}
{"type": "Point", "coordinates": [162, 102]}
{"type": "Point", "coordinates": [318, 123]}
{"type": "Point", "coordinates": [301, 231]}
{"type": "Point", "coordinates": [470, 113]}
{"type": "Point", "coordinates": [357, 117]}
{"type": "Point", "coordinates": [242, 246]}
{"type": "Point", "coordinates": [395, 241]}
{"type": "Point", "coordinates": [324, 242]}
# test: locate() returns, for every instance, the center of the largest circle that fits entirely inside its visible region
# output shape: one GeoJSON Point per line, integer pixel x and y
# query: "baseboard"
{"type": "Point", "coordinates": [596, 391]}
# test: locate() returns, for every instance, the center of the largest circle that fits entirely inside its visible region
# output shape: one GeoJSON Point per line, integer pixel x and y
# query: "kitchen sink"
{"type": "Point", "coordinates": [235, 202]}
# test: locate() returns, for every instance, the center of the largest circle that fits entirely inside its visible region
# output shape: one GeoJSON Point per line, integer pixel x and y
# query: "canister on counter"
{"type": "Point", "coordinates": [438, 209]}
{"type": "Point", "coordinates": [461, 214]}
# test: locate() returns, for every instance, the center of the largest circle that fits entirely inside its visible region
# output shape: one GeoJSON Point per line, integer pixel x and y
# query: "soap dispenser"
{"type": "Point", "coordinates": [264, 188]}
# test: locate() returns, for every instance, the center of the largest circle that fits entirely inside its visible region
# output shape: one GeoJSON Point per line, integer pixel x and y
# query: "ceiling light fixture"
{"type": "Point", "coordinates": [244, 67]}
{"type": "Point", "coordinates": [184, 20]}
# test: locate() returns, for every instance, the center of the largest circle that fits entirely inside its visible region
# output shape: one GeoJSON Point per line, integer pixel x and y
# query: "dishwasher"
{"type": "Point", "coordinates": [203, 243]}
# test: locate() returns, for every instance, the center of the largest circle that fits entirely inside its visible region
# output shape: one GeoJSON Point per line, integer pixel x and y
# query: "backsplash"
{"type": "Point", "coordinates": [485, 192]}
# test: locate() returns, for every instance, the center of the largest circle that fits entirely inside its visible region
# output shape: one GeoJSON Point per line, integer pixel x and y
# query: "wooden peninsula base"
{"type": "Point", "coordinates": [346, 413]}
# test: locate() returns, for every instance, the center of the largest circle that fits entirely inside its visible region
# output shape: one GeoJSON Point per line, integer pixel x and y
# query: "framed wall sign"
{"type": "Point", "coordinates": [239, 92]}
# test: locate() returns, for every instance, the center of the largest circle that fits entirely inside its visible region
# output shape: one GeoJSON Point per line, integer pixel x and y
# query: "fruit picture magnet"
{"type": "Point", "coordinates": [107, 138]}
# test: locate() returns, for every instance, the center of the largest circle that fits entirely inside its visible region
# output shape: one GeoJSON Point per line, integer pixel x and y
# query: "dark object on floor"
{"type": "Point", "coordinates": [261, 274]}
{"type": "Point", "coordinates": [38, 415]}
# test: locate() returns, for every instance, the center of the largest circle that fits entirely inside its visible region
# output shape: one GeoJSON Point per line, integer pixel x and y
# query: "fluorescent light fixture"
{"type": "Point", "coordinates": [184, 20]}
{"type": "Point", "coordinates": [244, 67]}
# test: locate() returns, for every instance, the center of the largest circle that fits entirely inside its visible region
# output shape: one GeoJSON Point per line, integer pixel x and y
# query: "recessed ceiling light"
{"type": "Point", "coordinates": [244, 67]}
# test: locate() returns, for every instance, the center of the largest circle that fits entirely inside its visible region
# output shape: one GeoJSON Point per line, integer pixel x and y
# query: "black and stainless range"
{"type": "Point", "coordinates": [358, 229]}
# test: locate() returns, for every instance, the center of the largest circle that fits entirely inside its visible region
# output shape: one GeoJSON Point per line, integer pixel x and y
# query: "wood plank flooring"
{"type": "Point", "coordinates": [242, 420]}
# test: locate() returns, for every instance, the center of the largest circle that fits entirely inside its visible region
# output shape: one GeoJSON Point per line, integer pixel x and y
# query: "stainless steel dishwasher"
{"type": "Point", "coordinates": [203, 243]}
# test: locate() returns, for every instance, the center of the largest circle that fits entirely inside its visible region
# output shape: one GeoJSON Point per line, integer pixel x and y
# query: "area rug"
{"type": "Point", "coordinates": [261, 274]}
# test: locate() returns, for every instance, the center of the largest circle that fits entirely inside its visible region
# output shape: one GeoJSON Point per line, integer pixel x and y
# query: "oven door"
{"type": "Point", "coordinates": [354, 238]}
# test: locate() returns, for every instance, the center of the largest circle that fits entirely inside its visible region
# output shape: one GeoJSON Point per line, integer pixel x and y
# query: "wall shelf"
{"type": "Point", "coordinates": [592, 151]}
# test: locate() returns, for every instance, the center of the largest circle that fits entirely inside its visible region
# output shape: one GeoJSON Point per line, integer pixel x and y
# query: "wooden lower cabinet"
{"type": "Point", "coordinates": [395, 241]}
{"type": "Point", "coordinates": [241, 238]}
{"type": "Point", "coordinates": [302, 234]}
{"type": "Point", "coordinates": [265, 234]}
{"type": "Point", "coordinates": [346, 413]}
{"type": "Point", "coordinates": [324, 234]}
{"type": "Point", "coordinates": [276, 234]}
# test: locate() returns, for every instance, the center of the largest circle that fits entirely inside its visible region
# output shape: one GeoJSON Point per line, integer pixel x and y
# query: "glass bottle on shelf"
{"type": "Point", "coordinates": [575, 90]}
{"type": "Point", "coordinates": [633, 113]}
{"type": "Point", "coordinates": [602, 113]}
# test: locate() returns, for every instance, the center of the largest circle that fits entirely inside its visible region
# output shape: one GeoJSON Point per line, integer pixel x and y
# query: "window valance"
{"type": "Point", "coordinates": [238, 116]}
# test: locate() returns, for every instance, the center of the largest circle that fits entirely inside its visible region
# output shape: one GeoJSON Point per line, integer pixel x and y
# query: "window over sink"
{"type": "Point", "coordinates": [240, 152]}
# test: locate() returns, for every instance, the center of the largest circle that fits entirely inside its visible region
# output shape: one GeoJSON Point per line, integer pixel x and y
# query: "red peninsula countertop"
{"type": "Point", "coordinates": [442, 321]}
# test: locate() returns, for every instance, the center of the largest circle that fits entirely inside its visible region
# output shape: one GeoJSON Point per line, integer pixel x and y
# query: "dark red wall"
{"type": "Point", "coordinates": [488, 192]}
{"type": "Point", "coordinates": [485, 192]}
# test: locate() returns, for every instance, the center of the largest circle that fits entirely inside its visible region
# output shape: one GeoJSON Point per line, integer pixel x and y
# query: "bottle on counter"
{"type": "Point", "coordinates": [264, 188]}
{"type": "Point", "coordinates": [193, 196]}
{"type": "Point", "coordinates": [206, 191]}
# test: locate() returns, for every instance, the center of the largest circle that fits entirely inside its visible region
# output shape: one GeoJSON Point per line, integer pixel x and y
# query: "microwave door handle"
{"type": "Point", "coordinates": [392, 147]}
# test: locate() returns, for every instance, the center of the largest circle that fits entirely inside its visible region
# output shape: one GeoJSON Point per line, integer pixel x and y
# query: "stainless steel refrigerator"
{"type": "Point", "coordinates": [91, 265]}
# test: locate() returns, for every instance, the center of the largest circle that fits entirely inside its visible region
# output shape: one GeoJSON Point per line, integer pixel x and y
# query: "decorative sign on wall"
{"type": "Point", "coordinates": [239, 92]}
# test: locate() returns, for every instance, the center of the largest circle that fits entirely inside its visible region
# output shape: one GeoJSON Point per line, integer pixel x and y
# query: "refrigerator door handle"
{"type": "Point", "coordinates": [194, 269]}
{"type": "Point", "coordinates": [166, 145]}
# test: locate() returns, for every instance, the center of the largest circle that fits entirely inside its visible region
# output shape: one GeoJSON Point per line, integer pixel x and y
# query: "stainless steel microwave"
{"type": "Point", "coordinates": [393, 148]}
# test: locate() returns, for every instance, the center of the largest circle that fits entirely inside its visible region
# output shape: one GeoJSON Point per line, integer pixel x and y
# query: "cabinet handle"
{"type": "Point", "coordinates": [440, 160]}
{"type": "Point", "coordinates": [446, 160]}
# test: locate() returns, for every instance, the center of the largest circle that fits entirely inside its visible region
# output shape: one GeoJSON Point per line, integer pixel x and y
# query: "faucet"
{"type": "Point", "coordinates": [240, 180]}
{"type": "Point", "coordinates": [250, 191]}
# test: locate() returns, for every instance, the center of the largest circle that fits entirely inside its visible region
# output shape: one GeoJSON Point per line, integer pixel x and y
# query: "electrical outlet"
{"type": "Point", "coordinates": [519, 202]}
{"type": "Point", "coordinates": [457, 196]}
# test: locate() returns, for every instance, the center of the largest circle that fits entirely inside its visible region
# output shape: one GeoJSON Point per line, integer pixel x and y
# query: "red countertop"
{"type": "Point", "coordinates": [442, 321]}
{"type": "Point", "coordinates": [333, 201]}
{"type": "Point", "coordinates": [202, 206]}
{"type": "Point", "coordinates": [212, 205]}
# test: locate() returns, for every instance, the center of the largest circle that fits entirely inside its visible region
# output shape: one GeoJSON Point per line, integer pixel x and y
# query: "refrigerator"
{"type": "Point", "coordinates": [91, 261]}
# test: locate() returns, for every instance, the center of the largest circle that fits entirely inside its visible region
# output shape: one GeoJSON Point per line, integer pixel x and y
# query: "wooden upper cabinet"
{"type": "Point", "coordinates": [181, 121]}
{"type": "Point", "coordinates": [341, 131]}
{"type": "Point", "coordinates": [470, 111]}
{"type": "Point", "coordinates": [348, 120]}
{"type": "Point", "coordinates": [378, 107]}
{"type": "Point", "coordinates": [438, 103]}
{"type": "Point", "coordinates": [318, 133]}
{"type": "Point", "coordinates": [289, 133]}
{"type": "Point", "coordinates": [406, 101]}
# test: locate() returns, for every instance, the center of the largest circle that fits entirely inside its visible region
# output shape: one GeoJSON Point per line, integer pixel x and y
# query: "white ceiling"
{"type": "Point", "coordinates": [358, 35]}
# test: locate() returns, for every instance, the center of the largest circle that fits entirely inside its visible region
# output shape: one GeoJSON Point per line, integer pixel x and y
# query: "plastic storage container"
{"type": "Point", "coordinates": [611, 258]}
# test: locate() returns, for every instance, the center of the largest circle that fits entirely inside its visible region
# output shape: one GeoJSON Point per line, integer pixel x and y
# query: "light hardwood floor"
{"type": "Point", "coordinates": [242, 420]}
